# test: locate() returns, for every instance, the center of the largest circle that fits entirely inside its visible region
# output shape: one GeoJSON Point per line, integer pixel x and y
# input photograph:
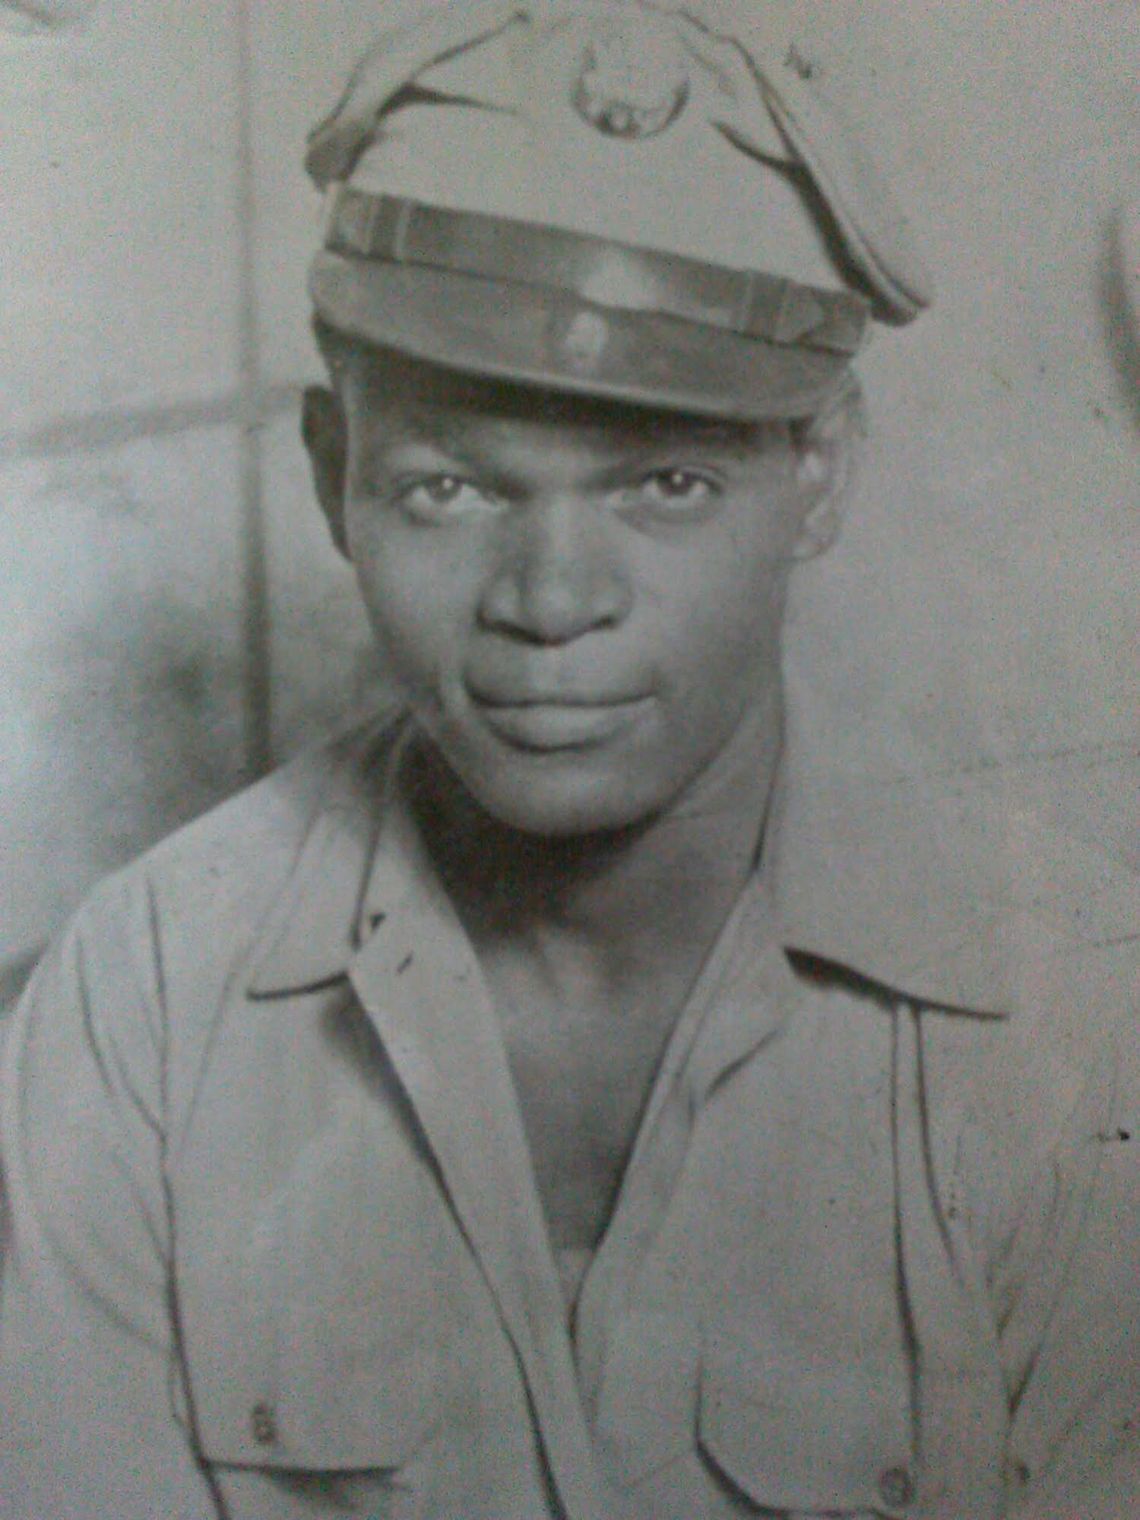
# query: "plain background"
{"type": "Point", "coordinates": [173, 619]}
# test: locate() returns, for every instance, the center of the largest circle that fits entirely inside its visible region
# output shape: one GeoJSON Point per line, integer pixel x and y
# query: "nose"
{"type": "Point", "coordinates": [559, 574]}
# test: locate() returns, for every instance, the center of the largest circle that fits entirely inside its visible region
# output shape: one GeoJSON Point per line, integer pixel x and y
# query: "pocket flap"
{"type": "Point", "coordinates": [796, 1434]}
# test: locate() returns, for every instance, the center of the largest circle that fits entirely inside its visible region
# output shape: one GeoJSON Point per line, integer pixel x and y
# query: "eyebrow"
{"type": "Point", "coordinates": [403, 425]}
{"type": "Point", "coordinates": [428, 429]}
{"type": "Point", "coordinates": [739, 439]}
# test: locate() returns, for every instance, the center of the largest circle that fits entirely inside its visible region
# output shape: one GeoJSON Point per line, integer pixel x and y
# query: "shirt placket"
{"type": "Point", "coordinates": [741, 997]}
{"type": "Point", "coordinates": [420, 982]}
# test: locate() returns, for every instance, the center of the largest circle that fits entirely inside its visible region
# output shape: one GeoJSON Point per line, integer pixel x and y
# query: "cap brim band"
{"type": "Point", "coordinates": [750, 303]}
{"type": "Point", "coordinates": [550, 338]}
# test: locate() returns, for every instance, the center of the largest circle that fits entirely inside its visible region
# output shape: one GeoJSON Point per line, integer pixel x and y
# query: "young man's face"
{"type": "Point", "coordinates": [581, 601]}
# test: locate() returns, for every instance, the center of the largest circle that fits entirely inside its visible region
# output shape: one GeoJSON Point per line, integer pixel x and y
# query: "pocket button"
{"type": "Point", "coordinates": [263, 1423]}
{"type": "Point", "coordinates": [896, 1488]}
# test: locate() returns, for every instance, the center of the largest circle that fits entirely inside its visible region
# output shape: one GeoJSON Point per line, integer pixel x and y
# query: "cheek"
{"type": "Point", "coordinates": [752, 589]}
{"type": "Point", "coordinates": [719, 617]}
{"type": "Point", "coordinates": [420, 589]}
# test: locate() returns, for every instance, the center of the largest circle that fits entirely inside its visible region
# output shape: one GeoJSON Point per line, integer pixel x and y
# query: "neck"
{"type": "Point", "coordinates": [625, 900]}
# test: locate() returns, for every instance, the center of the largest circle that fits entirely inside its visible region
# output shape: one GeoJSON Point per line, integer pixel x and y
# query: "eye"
{"type": "Point", "coordinates": [673, 492]}
{"type": "Point", "coordinates": [440, 498]}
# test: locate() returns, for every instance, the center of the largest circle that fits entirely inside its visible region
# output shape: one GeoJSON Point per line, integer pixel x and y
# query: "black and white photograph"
{"type": "Point", "coordinates": [570, 760]}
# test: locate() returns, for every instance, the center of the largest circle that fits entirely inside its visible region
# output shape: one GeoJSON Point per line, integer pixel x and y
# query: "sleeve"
{"type": "Point", "coordinates": [88, 1339]}
{"type": "Point", "coordinates": [1067, 1289]}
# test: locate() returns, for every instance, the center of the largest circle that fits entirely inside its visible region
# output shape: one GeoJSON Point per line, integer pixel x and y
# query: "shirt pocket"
{"type": "Point", "coordinates": [355, 1395]}
{"type": "Point", "coordinates": [321, 1299]}
{"type": "Point", "coordinates": [805, 1435]}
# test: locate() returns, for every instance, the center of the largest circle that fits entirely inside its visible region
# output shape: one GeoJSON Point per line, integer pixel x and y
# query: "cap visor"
{"type": "Point", "coordinates": [543, 337]}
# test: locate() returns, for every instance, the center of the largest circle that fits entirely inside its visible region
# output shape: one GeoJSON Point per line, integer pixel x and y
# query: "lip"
{"type": "Point", "coordinates": [567, 722]}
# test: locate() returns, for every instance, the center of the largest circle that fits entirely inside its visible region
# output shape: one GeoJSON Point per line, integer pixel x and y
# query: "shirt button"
{"type": "Point", "coordinates": [263, 1423]}
{"type": "Point", "coordinates": [896, 1488]}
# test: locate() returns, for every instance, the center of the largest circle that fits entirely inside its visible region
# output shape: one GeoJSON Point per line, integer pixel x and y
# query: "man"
{"type": "Point", "coordinates": [478, 1118]}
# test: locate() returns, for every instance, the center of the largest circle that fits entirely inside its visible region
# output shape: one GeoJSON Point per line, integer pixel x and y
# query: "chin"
{"type": "Point", "coordinates": [561, 797]}
{"type": "Point", "coordinates": [616, 783]}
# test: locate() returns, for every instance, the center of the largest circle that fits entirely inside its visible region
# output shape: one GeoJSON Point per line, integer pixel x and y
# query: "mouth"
{"type": "Point", "coordinates": [542, 724]}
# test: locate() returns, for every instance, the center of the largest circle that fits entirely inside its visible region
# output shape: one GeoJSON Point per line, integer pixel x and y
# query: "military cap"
{"type": "Point", "coordinates": [609, 198]}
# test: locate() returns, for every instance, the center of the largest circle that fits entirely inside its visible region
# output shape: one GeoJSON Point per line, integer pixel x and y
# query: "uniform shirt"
{"type": "Point", "coordinates": [276, 1250]}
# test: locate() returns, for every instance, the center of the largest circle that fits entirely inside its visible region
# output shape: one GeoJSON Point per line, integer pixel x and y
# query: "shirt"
{"type": "Point", "coordinates": [276, 1249]}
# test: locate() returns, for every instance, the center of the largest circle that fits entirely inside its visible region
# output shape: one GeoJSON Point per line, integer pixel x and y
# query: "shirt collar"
{"type": "Point", "coordinates": [896, 887]}
{"type": "Point", "coordinates": [324, 914]}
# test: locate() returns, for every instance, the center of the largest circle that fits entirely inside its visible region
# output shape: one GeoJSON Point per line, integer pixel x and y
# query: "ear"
{"type": "Point", "coordinates": [826, 465]}
{"type": "Point", "coordinates": [325, 434]}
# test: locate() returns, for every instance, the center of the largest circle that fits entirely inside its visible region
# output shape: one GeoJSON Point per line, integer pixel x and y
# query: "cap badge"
{"type": "Point", "coordinates": [634, 82]}
{"type": "Point", "coordinates": [585, 341]}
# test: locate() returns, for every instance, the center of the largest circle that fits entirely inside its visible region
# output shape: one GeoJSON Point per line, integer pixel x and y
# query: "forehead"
{"type": "Point", "coordinates": [390, 398]}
